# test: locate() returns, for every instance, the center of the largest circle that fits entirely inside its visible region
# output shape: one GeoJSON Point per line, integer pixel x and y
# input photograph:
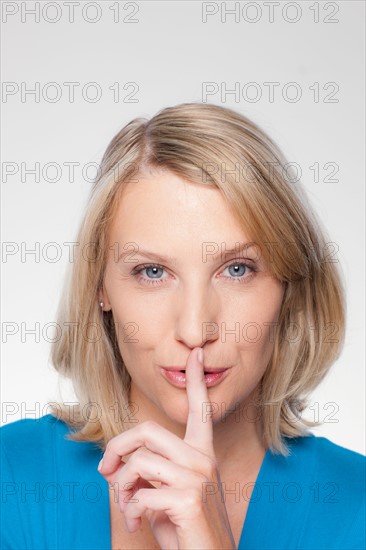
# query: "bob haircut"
{"type": "Point", "coordinates": [216, 146]}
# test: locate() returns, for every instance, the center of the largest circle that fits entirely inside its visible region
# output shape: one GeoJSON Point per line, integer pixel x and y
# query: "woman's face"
{"type": "Point", "coordinates": [203, 297]}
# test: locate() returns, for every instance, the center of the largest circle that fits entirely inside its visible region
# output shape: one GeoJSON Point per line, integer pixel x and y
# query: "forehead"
{"type": "Point", "coordinates": [164, 204]}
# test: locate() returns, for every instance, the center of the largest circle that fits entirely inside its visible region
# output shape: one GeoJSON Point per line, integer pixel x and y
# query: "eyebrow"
{"type": "Point", "coordinates": [223, 252]}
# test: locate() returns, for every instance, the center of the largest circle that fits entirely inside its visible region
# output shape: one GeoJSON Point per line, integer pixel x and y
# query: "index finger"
{"type": "Point", "coordinates": [199, 432]}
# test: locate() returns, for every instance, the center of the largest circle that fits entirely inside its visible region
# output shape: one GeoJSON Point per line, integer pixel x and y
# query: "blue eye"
{"type": "Point", "coordinates": [153, 269]}
{"type": "Point", "coordinates": [240, 272]}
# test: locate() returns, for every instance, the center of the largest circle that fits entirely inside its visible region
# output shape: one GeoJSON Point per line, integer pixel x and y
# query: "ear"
{"type": "Point", "coordinates": [103, 297]}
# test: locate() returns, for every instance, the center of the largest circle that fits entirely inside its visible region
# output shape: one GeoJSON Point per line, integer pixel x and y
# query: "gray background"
{"type": "Point", "coordinates": [169, 52]}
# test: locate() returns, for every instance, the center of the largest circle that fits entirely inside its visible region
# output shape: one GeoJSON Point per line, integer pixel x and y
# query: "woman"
{"type": "Point", "coordinates": [204, 308]}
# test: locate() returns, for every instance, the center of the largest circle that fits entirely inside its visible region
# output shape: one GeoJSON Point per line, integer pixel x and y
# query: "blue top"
{"type": "Point", "coordinates": [53, 496]}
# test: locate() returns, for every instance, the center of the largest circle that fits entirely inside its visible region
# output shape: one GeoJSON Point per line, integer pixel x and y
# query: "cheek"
{"type": "Point", "coordinates": [139, 314]}
{"type": "Point", "coordinates": [138, 326]}
{"type": "Point", "coordinates": [257, 316]}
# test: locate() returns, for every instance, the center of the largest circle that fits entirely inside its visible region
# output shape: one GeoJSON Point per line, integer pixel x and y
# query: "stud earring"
{"type": "Point", "coordinates": [101, 304]}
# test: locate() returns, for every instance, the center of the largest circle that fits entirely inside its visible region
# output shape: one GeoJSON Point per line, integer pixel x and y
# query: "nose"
{"type": "Point", "coordinates": [196, 315]}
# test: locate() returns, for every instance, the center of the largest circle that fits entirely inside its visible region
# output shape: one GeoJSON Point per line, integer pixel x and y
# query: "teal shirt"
{"type": "Point", "coordinates": [53, 496]}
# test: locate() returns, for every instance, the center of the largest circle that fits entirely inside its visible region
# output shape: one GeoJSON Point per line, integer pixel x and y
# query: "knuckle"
{"type": "Point", "coordinates": [209, 468]}
{"type": "Point", "coordinates": [193, 499]}
{"type": "Point", "coordinates": [200, 479]}
{"type": "Point", "coordinates": [140, 495]}
{"type": "Point", "coordinates": [113, 444]}
{"type": "Point", "coordinates": [138, 456]}
{"type": "Point", "coordinates": [110, 445]}
{"type": "Point", "coordinates": [147, 427]}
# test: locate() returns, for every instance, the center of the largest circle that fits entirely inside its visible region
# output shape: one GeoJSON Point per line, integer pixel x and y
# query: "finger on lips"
{"type": "Point", "coordinates": [170, 448]}
{"type": "Point", "coordinates": [199, 433]}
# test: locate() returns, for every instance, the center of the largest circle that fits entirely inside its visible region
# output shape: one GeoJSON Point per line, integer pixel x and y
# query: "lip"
{"type": "Point", "coordinates": [178, 379]}
{"type": "Point", "coordinates": [207, 369]}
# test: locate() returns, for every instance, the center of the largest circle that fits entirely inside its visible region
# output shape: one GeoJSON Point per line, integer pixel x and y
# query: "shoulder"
{"type": "Point", "coordinates": [333, 477]}
{"type": "Point", "coordinates": [316, 493]}
{"type": "Point", "coordinates": [46, 476]}
{"type": "Point", "coordinates": [40, 449]}
{"type": "Point", "coordinates": [43, 442]}
{"type": "Point", "coordinates": [325, 446]}
{"type": "Point", "coordinates": [322, 447]}
{"type": "Point", "coordinates": [27, 457]}
{"type": "Point", "coordinates": [28, 428]}
{"type": "Point", "coordinates": [327, 458]}
{"type": "Point", "coordinates": [27, 441]}
{"type": "Point", "coordinates": [315, 459]}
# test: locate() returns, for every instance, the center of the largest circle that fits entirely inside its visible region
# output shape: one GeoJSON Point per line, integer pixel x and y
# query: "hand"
{"type": "Point", "coordinates": [181, 512]}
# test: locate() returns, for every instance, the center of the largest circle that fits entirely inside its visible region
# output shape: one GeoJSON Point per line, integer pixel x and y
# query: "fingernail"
{"type": "Point", "coordinates": [200, 356]}
{"type": "Point", "coordinates": [100, 463]}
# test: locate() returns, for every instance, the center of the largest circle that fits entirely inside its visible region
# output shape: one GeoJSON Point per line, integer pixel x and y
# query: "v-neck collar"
{"type": "Point", "coordinates": [275, 471]}
{"type": "Point", "coordinates": [248, 517]}
{"type": "Point", "coordinates": [274, 494]}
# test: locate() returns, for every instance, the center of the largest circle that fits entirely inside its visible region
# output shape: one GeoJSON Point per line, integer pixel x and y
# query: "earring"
{"type": "Point", "coordinates": [101, 304]}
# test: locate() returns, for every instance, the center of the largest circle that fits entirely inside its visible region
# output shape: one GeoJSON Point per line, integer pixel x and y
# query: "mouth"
{"type": "Point", "coordinates": [208, 370]}
{"type": "Point", "coordinates": [177, 376]}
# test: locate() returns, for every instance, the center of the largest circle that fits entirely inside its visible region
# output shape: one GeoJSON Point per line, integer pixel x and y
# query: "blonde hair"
{"type": "Point", "coordinates": [209, 144]}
